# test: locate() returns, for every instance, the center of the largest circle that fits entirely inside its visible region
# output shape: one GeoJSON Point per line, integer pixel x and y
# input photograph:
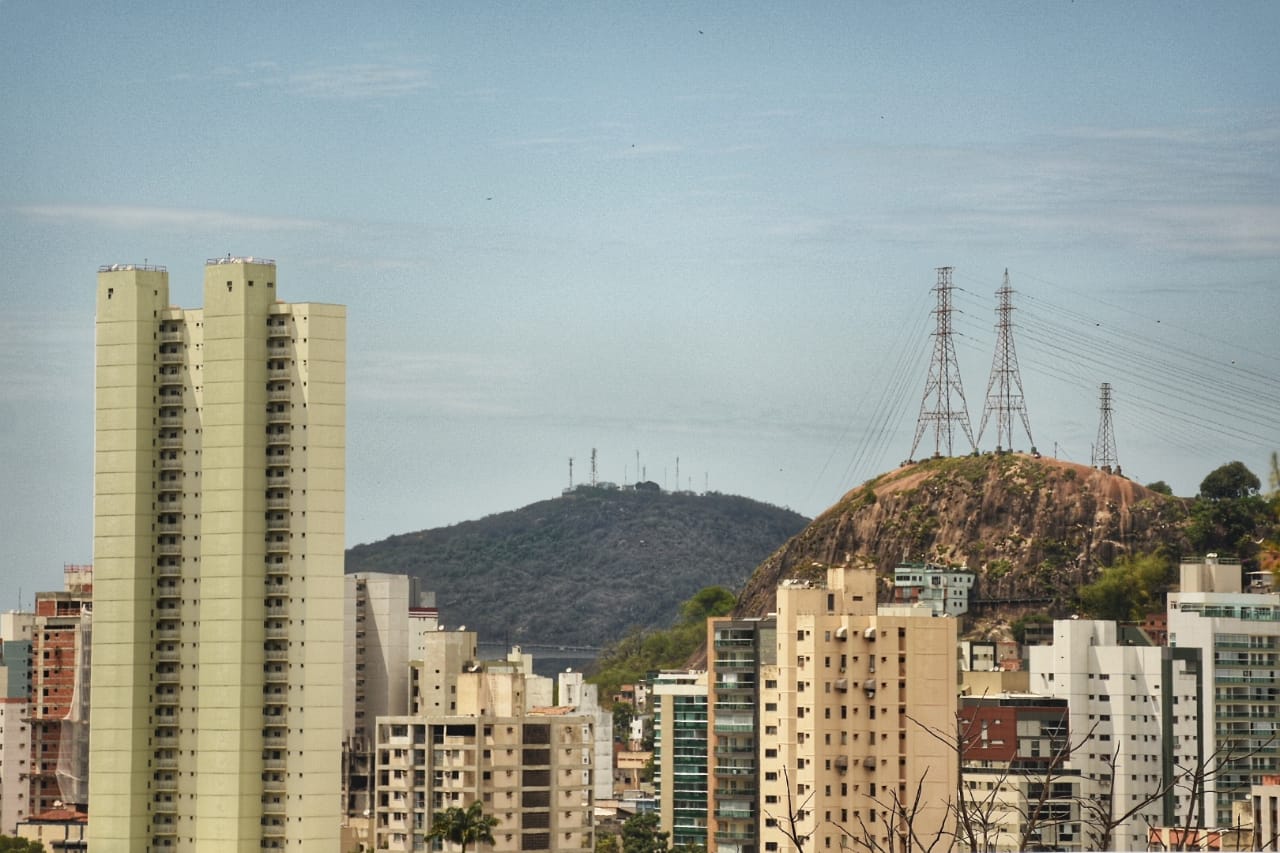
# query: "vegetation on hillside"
{"type": "Point", "coordinates": [642, 652]}
{"type": "Point", "coordinates": [587, 568]}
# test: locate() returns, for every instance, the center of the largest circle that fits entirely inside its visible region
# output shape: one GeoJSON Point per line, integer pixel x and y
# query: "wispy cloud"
{"type": "Point", "coordinates": [139, 217]}
{"type": "Point", "coordinates": [360, 82]}
{"type": "Point", "coordinates": [348, 81]}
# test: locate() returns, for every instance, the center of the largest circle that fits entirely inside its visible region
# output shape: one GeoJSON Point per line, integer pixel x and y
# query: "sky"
{"type": "Point", "coordinates": [702, 236]}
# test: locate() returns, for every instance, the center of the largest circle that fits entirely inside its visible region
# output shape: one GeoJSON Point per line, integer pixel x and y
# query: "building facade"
{"type": "Point", "coordinates": [377, 640]}
{"type": "Point", "coordinates": [218, 554]}
{"type": "Point", "coordinates": [60, 648]}
{"type": "Point", "coordinates": [530, 768]}
{"type": "Point", "coordinates": [1238, 636]}
{"type": "Point", "coordinates": [856, 721]}
{"type": "Point", "coordinates": [1135, 712]}
{"type": "Point", "coordinates": [680, 754]}
{"type": "Point", "coordinates": [15, 733]}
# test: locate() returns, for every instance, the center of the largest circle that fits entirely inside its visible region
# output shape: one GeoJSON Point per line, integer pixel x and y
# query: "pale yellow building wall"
{"type": "Point", "coordinates": [208, 737]}
{"type": "Point", "coordinates": [129, 303]}
{"type": "Point", "coordinates": [845, 752]}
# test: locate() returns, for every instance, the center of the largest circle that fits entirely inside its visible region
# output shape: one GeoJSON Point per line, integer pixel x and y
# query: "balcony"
{"type": "Point", "coordinates": [280, 395]}
{"type": "Point", "coordinates": [277, 437]}
{"type": "Point", "coordinates": [170, 336]}
{"type": "Point", "coordinates": [275, 676]}
{"type": "Point", "coordinates": [165, 741]}
{"type": "Point", "coordinates": [276, 632]}
{"type": "Point", "coordinates": [171, 355]}
{"type": "Point", "coordinates": [167, 655]}
{"type": "Point", "coordinates": [169, 549]}
{"type": "Point", "coordinates": [166, 676]}
{"type": "Point", "coordinates": [275, 655]}
{"type": "Point", "coordinates": [165, 783]}
{"type": "Point", "coordinates": [274, 568]}
{"type": "Point", "coordinates": [277, 329]}
{"type": "Point", "coordinates": [170, 441]}
{"type": "Point", "coordinates": [277, 501]}
{"type": "Point", "coordinates": [167, 762]}
{"type": "Point", "coordinates": [278, 457]}
{"type": "Point", "coordinates": [168, 632]}
{"type": "Point", "coordinates": [170, 417]}
{"type": "Point", "coordinates": [273, 806]}
{"type": "Point", "coordinates": [170, 462]}
{"type": "Point", "coordinates": [275, 741]}
{"type": "Point", "coordinates": [278, 414]}
{"type": "Point", "coordinates": [274, 763]}
{"type": "Point", "coordinates": [278, 545]}
{"type": "Point", "coordinates": [278, 346]}
{"type": "Point", "coordinates": [273, 785]}
{"type": "Point", "coordinates": [276, 373]}
{"type": "Point", "coordinates": [277, 522]}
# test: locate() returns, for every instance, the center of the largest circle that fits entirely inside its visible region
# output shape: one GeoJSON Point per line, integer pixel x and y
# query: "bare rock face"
{"type": "Point", "coordinates": [1033, 529]}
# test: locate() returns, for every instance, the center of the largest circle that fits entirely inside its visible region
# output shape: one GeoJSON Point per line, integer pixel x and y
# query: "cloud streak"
{"type": "Point", "coordinates": [142, 217]}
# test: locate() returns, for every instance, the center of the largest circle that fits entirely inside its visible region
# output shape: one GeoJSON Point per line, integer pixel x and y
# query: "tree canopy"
{"type": "Point", "coordinates": [1230, 481]}
{"type": "Point", "coordinates": [463, 826]}
{"type": "Point", "coordinates": [1129, 590]}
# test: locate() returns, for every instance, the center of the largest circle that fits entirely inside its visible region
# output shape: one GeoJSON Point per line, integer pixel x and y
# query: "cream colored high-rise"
{"type": "Point", "coordinates": [856, 718]}
{"type": "Point", "coordinates": [218, 548]}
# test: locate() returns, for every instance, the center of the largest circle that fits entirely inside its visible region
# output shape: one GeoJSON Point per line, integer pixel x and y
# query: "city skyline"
{"type": "Point", "coordinates": [664, 231]}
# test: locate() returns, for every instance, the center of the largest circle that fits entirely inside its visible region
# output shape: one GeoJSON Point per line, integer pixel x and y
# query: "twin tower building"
{"type": "Point", "coordinates": [219, 476]}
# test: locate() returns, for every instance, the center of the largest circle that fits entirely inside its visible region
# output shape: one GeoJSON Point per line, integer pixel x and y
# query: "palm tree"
{"type": "Point", "coordinates": [463, 826]}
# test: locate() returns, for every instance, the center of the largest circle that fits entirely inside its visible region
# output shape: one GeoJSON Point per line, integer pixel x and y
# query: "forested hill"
{"type": "Point", "coordinates": [585, 568]}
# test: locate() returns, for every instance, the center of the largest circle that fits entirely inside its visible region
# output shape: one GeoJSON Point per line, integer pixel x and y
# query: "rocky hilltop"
{"type": "Point", "coordinates": [1034, 529]}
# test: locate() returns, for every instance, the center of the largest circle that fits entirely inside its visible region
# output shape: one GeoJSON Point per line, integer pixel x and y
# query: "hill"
{"type": "Point", "coordinates": [585, 568]}
{"type": "Point", "coordinates": [1034, 529]}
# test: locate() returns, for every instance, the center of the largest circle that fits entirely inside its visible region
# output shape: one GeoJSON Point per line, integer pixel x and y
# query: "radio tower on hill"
{"type": "Point", "coordinates": [1004, 389]}
{"type": "Point", "coordinates": [944, 379]}
{"type": "Point", "coordinates": [1104, 452]}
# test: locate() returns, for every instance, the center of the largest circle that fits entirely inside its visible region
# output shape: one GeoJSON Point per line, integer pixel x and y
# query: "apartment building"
{"type": "Point", "coordinates": [530, 767]}
{"type": "Point", "coordinates": [856, 719]}
{"type": "Point", "coordinates": [1238, 636]}
{"type": "Point", "coordinates": [15, 733]}
{"type": "Point", "coordinates": [1135, 712]}
{"type": "Point", "coordinates": [1019, 787]}
{"type": "Point", "coordinates": [60, 647]}
{"type": "Point", "coordinates": [377, 640]}
{"type": "Point", "coordinates": [680, 754]}
{"type": "Point", "coordinates": [218, 552]}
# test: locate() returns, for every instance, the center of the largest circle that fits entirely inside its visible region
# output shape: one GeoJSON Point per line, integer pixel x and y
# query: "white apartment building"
{"type": "Point", "coordinates": [377, 639]}
{"type": "Point", "coordinates": [15, 734]}
{"type": "Point", "coordinates": [219, 444]}
{"type": "Point", "coordinates": [1134, 717]}
{"type": "Point", "coordinates": [1238, 635]}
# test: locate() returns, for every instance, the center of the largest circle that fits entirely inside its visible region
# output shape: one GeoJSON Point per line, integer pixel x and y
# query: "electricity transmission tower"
{"type": "Point", "coordinates": [1004, 389]}
{"type": "Point", "coordinates": [944, 379]}
{"type": "Point", "coordinates": [1104, 451]}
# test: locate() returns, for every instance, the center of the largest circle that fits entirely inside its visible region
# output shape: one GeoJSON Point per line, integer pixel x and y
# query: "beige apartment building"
{"type": "Point", "coordinates": [855, 720]}
{"type": "Point", "coordinates": [218, 555]}
{"type": "Point", "coordinates": [529, 767]}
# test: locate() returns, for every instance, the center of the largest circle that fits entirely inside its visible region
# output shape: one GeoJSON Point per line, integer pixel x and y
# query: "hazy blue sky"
{"type": "Point", "coordinates": [705, 231]}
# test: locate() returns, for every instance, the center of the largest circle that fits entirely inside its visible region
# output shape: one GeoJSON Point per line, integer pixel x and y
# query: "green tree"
{"type": "Point", "coordinates": [1230, 481]}
{"type": "Point", "coordinates": [623, 714]}
{"type": "Point", "coordinates": [1129, 590]}
{"type": "Point", "coordinates": [1160, 486]}
{"type": "Point", "coordinates": [463, 826]}
{"type": "Point", "coordinates": [640, 834]}
{"type": "Point", "coordinates": [607, 843]}
{"type": "Point", "coordinates": [9, 844]}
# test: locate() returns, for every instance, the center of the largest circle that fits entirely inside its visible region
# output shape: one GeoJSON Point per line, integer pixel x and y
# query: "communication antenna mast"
{"type": "Point", "coordinates": [571, 473]}
{"type": "Point", "coordinates": [1104, 452]}
{"type": "Point", "coordinates": [1004, 388]}
{"type": "Point", "coordinates": [593, 467]}
{"type": "Point", "coordinates": [944, 379]}
{"type": "Point", "coordinates": [677, 473]}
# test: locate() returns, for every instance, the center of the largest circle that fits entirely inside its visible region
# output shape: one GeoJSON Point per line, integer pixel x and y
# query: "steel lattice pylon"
{"type": "Point", "coordinates": [944, 379]}
{"type": "Point", "coordinates": [1104, 451]}
{"type": "Point", "coordinates": [1004, 388]}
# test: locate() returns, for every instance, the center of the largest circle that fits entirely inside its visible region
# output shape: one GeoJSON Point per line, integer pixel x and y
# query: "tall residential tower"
{"type": "Point", "coordinates": [218, 554]}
